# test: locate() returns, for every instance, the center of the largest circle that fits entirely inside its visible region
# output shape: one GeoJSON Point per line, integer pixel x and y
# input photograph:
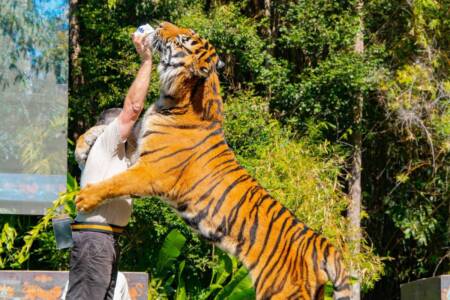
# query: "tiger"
{"type": "Point", "coordinates": [185, 159]}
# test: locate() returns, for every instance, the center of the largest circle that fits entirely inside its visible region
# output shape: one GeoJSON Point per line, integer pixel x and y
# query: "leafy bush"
{"type": "Point", "coordinates": [301, 175]}
{"type": "Point", "coordinates": [327, 93]}
{"type": "Point", "coordinates": [317, 29]}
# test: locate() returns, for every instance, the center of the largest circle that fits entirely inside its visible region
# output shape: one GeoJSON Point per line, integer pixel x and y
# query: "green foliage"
{"type": "Point", "coordinates": [317, 29]}
{"type": "Point", "coordinates": [239, 287]}
{"type": "Point", "coordinates": [152, 221]}
{"type": "Point", "coordinates": [170, 250]}
{"type": "Point", "coordinates": [166, 269]}
{"type": "Point", "coordinates": [248, 125]}
{"type": "Point", "coordinates": [7, 239]}
{"type": "Point", "coordinates": [236, 40]}
{"type": "Point", "coordinates": [301, 175]}
{"type": "Point", "coordinates": [327, 92]}
{"type": "Point", "coordinates": [229, 280]}
{"type": "Point", "coordinates": [409, 146]}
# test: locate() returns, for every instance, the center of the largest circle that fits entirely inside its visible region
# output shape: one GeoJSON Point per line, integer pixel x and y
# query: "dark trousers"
{"type": "Point", "coordinates": [93, 266]}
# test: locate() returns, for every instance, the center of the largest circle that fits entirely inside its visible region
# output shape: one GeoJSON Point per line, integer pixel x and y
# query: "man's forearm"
{"type": "Point", "coordinates": [135, 99]}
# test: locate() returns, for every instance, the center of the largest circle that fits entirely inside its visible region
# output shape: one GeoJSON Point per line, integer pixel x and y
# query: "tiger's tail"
{"type": "Point", "coordinates": [338, 275]}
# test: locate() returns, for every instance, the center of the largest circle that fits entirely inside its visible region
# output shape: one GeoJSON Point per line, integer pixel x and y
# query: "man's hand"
{"type": "Point", "coordinates": [142, 48]}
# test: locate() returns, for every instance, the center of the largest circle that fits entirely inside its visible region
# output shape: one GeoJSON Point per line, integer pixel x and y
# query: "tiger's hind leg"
{"type": "Point", "coordinates": [137, 180]}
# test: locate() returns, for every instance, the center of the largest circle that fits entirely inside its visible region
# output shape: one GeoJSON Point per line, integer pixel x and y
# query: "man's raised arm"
{"type": "Point", "coordinates": [134, 101]}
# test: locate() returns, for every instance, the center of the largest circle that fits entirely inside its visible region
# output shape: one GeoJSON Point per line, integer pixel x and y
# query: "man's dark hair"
{"type": "Point", "coordinates": [108, 116]}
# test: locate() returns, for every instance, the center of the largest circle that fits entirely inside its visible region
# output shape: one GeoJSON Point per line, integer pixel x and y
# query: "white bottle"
{"type": "Point", "coordinates": [144, 30]}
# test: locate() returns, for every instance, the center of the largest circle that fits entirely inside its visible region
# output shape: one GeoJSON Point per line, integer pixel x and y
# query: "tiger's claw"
{"type": "Point", "coordinates": [87, 200]}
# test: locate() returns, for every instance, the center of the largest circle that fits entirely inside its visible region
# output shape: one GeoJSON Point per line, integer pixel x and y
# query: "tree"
{"type": "Point", "coordinates": [354, 210]}
{"type": "Point", "coordinates": [76, 74]}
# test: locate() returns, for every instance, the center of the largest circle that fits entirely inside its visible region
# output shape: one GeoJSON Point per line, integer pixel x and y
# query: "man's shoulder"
{"type": "Point", "coordinates": [110, 139]}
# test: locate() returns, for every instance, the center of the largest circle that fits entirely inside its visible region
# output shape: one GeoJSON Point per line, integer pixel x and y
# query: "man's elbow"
{"type": "Point", "coordinates": [132, 111]}
{"type": "Point", "coordinates": [136, 109]}
{"type": "Point", "coordinates": [130, 115]}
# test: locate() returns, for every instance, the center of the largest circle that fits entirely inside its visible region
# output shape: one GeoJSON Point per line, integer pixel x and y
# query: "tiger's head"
{"type": "Point", "coordinates": [185, 57]}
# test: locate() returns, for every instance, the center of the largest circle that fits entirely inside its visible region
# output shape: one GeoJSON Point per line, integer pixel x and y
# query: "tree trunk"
{"type": "Point", "coordinates": [268, 15]}
{"type": "Point", "coordinates": [75, 72]}
{"type": "Point", "coordinates": [354, 212]}
{"type": "Point", "coordinates": [268, 33]}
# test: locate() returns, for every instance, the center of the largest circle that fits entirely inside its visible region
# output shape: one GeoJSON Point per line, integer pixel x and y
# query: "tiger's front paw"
{"type": "Point", "coordinates": [87, 199]}
{"type": "Point", "coordinates": [85, 143]}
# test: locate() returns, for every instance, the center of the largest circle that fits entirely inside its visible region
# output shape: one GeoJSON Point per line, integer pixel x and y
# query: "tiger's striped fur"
{"type": "Point", "coordinates": [185, 159]}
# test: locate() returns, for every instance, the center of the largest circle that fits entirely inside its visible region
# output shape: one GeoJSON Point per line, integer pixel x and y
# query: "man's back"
{"type": "Point", "coordinates": [107, 158]}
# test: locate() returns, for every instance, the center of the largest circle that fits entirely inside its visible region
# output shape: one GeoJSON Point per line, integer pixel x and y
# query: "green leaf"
{"type": "Point", "coordinates": [170, 250]}
{"type": "Point", "coordinates": [240, 287]}
{"type": "Point", "coordinates": [112, 4]}
{"type": "Point", "coordinates": [72, 184]}
{"type": "Point", "coordinates": [181, 288]}
{"type": "Point", "coordinates": [223, 269]}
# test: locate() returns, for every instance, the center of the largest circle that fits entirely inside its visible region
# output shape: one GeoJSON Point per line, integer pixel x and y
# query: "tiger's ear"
{"type": "Point", "coordinates": [220, 65]}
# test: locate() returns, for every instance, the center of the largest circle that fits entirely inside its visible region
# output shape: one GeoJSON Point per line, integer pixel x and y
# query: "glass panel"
{"type": "Point", "coordinates": [33, 103]}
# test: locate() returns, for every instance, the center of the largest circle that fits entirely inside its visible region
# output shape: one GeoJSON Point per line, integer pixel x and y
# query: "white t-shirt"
{"type": "Point", "coordinates": [107, 158]}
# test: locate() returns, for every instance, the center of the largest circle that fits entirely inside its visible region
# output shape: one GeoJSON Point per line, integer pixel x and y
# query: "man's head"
{"type": "Point", "coordinates": [87, 140]}
{"type": "Point", "coordinates": [107, 116]}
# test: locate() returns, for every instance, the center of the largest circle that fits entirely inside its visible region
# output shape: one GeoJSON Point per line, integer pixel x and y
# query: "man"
{"type": "Point", "coordinates": [95, 254]}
